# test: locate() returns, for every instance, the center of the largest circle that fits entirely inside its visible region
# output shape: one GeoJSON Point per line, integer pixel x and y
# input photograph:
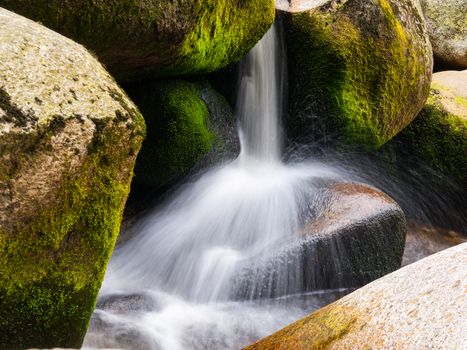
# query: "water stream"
{"type": "Point", "coordinates": [171, 286]}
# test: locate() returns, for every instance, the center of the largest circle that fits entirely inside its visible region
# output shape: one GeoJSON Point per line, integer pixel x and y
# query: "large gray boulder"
{"type": "Point", "coordinates": [353, 234]}
{"type": "Point", "coordinates": [69, 137]}
{"type": "Point", "coordinates": [421, 306]}
{"type": "Point", "coordinates": [447, 27]}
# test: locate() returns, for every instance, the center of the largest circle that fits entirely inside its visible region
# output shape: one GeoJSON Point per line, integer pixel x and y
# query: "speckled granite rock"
{"type": "Point", "coordinates": [352, 235]}
{"type": "Point", "coordinates": [68, 141]}
{"type": "Point", "coordinates": [421, 306]}
{"type": "Point", "coordinates": [298, 5]}
{"type": "Point", "coordinates": [447, 27]}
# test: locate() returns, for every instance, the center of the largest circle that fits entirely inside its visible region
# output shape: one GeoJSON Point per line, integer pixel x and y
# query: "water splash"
{"type": "Point", "coordinates": [170, 286]}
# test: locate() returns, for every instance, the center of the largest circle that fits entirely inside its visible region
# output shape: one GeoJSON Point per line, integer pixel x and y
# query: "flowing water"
{"type": "Point", "coordinates": [172, 285]}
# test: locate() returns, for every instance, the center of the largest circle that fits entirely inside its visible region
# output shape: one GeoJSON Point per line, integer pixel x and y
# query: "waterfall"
{"type": "Point", "coordinates": [171, 285]}
{"type": "Point", "coordinates": [260, 99]}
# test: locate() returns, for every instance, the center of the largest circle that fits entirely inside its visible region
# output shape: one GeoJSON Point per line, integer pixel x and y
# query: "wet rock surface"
{"type": "Point", "coordinates": [127, 303]}
{"type": "Point", "coordinates": [423, 240]}
{"type": "Point", "coordinates": [110, 328]}
{"type": "Point", "coordinates": [353, 235]}
{"type": "Point", "coordinates": [421, 306]}
{"type": "Point", "coordinates": [119, 334]}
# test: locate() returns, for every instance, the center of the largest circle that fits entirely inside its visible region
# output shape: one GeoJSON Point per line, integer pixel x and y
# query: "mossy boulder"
{"type": "Point", "coordinates": [141, 39]}
{"type": "Point", "coordinates": [421, 306]}
{"type": "Point", "coordinates": [447, 28]}
{"type": "Point", "coordinates": [360, 70]}
{"type": "Point", "coordinates": [69, 137]}
{"type": "Point", "coordinates": [439, 133]}
{"type": "Point", "coordinates": [189, 125]}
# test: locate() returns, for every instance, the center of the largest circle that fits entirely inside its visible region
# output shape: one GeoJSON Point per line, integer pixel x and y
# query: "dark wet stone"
{"type": "Point", "coordinates": [127, 303]}
{"type": "Point", "coordinates": [108, 331]}
{"type": "Point", "coordinates": [353, 236]}
{"type": "Point", "coordinates": [423, 240]}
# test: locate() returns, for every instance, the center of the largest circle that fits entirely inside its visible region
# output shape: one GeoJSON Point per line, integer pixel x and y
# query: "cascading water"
{"type": "Point", "coordinates": [172, 285]}
{"type": "Point", "coordinates": [260, 97]}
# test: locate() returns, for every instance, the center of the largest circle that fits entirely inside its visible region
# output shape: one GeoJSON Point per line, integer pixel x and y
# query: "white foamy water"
{"type": "Point", "coordinates": [259, 102]}
{"type": "Point", "coordinates": [171, 285]}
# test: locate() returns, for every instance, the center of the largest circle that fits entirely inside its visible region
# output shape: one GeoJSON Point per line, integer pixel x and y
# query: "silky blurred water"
{"type": "Point", "coordinates": [170, 286]}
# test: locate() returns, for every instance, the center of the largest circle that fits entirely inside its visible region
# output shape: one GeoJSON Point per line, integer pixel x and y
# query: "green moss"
{"type": "Point", "coordinates": [178, 131]}
{"type": "Point", "coordinates": [440, 138]}
{"type": "Point", "coordinates": [142, 39]}
{"type": "Point", "coordinates": [223, 33]}
{"type": "Point", "coordinates": [52, 262]}
{"type": "Point", "coordinates": [361, 76]}
{"type": "Point", "coordinates": [315, 332]}
{"type": "Point", "coordinates": [461, 101]}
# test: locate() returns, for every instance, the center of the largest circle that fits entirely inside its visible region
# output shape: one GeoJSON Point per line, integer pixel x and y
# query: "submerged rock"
{"type": "Point", "coordinates": [359, 70]}
{"type": "Point", "coordinates": [439, 133]}
{"type": "Point", "coordinates": [447, 27]}
{"type": "Point", "coordinates": [189, 124]}
{"type": "Point", "coordinates": [120, 303]}
{"type": "Point", "coordinates": [69, 137]}
{"type": "Point", "coordinates": [109, 331]}
{"type": "Point", "coordinates": [353, 235]}
{"type": "Point", "coordinates": [142, 39]}
{"type": "Point", "coordinates": [421, 306]}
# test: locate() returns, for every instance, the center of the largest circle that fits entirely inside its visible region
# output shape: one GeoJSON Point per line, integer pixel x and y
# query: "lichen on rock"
{"type": "Point", "coordinates": [359, 70]}
{"type": "Point", "coordinates": [69, 137]}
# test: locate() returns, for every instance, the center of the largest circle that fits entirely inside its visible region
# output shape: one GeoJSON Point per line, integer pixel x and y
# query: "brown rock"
{"type": "Point", "coordinates": [421, 306]}
{"type": "Point", "coordinates": [352, 235]}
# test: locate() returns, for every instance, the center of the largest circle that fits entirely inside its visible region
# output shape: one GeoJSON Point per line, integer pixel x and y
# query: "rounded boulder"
{"type": "Point", "coordinates": [146, 39]}
{"type": "Point", "coordinates": [360, 71]}
{"type": "Point", "coordinates": [69, 137]}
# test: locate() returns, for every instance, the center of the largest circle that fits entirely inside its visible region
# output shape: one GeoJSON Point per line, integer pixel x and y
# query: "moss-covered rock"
{"type": "Point", "coordinates": [187, 122]}
{"type": "Point", "coordinates": [138, 39]}
{"type": "Point", "coordinates": [447, 27]}
{"type": "Point", "coordinates": [360, 70]}
{"type": "Point", "coordinates": [439, 133]}
{"type": "Point", "coordinates": [421, 306]}
{"type": "Point", "coordinates": [68, 141]}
